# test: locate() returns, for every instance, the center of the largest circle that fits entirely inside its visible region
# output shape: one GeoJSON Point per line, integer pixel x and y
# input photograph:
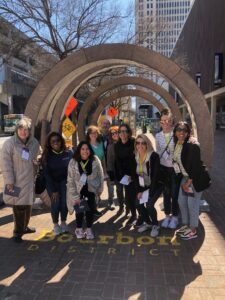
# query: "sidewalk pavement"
{"type": "Point", "coordinates": [119, 263]}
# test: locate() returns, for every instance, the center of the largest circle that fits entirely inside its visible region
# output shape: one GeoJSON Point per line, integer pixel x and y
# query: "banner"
{"type": "Point", "coordinates": [70, 106]}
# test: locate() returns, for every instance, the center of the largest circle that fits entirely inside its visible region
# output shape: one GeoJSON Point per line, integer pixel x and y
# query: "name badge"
{"type": "Point", "coordinates": [83, 179]}
{"type": "Point", "coordinates": [141, 181]}
{"type": "Point", "coordinates": [25, 154]}
{"type": "Point", "coordinates": [176, 167]}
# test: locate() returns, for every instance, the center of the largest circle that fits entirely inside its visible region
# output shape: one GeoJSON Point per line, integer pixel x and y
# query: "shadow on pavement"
{"type": "Point", "coordinates": [118, 264]}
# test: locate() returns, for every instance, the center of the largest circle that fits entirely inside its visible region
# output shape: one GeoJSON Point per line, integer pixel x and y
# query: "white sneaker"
{"type": "Point", "coordinates": [173, 223]}
{"type": "Point", "coordinates": [181, 230]}
{"type": "Point", "coordinates": [89, 234]}
{"type": "Point", "coordinates": [57, 229]}
{"type": "Point", "coordinates": [165, 223]}
{"type": "Point", "coordinates": [144, 227]}
{"type": "Point", "coordinates": [79, 232]}
{"type": "Point", "coordinates": [154, 231]}
{"type": "Point", "coordinates": [64, 228]}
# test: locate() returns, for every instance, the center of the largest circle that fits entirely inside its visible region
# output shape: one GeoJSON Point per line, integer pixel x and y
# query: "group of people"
{"type": "Point", "coordinates": [74, 179]}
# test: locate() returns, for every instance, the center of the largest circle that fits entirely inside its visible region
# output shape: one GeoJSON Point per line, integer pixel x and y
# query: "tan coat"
{"type": "Point", "coordinates": [95, 181]}
{"type": "Point", "coordinates": [17, 171]}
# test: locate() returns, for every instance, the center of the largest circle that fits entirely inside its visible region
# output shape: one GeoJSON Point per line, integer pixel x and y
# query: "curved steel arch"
{"type": "Point", "coordinates": [125, 81]}
{"type": "Point", "coordinates": [124, 93]}
{"type": "Point", "coordinates": [55, 83]}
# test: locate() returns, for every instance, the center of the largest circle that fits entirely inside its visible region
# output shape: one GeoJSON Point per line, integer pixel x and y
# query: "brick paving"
{"type": "Point", "coordinates": [119, 263]}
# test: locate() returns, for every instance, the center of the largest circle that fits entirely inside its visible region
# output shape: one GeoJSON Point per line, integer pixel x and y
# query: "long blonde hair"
{"type": "Point", "coordinates": [146, 140]}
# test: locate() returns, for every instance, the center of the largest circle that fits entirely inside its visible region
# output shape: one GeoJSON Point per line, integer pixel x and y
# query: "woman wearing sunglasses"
{"type": "Point", "coordinates": [171, 181]}
{"type": "Point", "coordinates": [94, 138]}
{"type": "Point", "coordinates": [113, 137]}
{"type": "Point", "coordinates": [195, 179]}
{"type": "Point", "coordinates": [147, 180]}
{"type": "Point", "coordinates": [55, 160]}
{"type": "Point", "coordinates": [125, 168]}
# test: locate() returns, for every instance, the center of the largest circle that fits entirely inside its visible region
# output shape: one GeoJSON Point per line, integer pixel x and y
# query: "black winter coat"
{"type": "Point", "coordinates": [193, 165]}
{"type": "Point", "coordinates": [153, 169]}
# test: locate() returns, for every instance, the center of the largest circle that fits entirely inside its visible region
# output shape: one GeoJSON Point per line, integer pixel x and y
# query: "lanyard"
{"type": "Point", "coordinates": [57, 152]}
{"type": "Point", "coordinates": [83, 165]}
{"type": "Point", "coordinates": [141, 164]}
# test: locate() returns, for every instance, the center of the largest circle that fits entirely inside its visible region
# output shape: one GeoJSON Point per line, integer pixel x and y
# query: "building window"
{"type": "Point", "coordinates": [198, 77]}
{"type": "Point", "coordinates": [218, 68]}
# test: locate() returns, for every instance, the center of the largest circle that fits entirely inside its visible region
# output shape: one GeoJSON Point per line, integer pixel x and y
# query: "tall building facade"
{"type": "Point", "coordinates": [158, 24]}
{"type": "Point", "coordinates": [202, 42]}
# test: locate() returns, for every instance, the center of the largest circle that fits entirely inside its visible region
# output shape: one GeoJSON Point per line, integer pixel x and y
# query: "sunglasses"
{"type": "Point", "coordinates": [123, 131]}
{"type": "Point", "coordinates": [140, 143]}
{"type": "Point", "coordinates": [181, 129]}
{"type": "Point", "coordinates": [55, 141]}
{"type": "Point", "coordinates": [115, 132]}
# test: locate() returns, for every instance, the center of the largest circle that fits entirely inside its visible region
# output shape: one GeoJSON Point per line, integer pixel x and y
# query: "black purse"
{"type": "Point", "coordinates": [40, 182]}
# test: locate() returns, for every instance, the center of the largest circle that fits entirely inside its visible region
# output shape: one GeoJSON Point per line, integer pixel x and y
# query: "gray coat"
{"type": "Point", "coordinates": [95, 181]}
{"type": "Point", "coordinates": [18, 171]}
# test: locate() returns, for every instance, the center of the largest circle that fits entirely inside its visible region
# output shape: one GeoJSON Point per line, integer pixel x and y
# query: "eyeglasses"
{"type": "Point", "coordinates": [123, 131]}
{"type": "Point", "coordinates": [140, 143]}
{"type": "Point", "coordinates": [115, 132]}
{"type": "Point", "coordinates": [164, 121]}
{"type": "Point", "coordinates": [55, 141]}
{"type": "Point", "coordinates": [179, 129]}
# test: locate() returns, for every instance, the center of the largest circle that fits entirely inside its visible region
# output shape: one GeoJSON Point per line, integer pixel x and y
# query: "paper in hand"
{"type": "Point", "coordinates": [144, 197]}
{"type": "Point", "coordinates": [125, 180]}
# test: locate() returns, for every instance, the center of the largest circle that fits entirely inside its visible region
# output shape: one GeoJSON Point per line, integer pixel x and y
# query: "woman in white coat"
{"type": "Point", "coordinates": [19, 153]}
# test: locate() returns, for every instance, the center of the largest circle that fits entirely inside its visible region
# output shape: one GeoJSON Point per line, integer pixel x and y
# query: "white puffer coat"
{"type": "Point", "coordinates": [18, 171]}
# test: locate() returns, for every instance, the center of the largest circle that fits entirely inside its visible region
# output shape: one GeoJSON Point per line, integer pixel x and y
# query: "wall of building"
{"type": "Point", "coordinates": [202, 36]}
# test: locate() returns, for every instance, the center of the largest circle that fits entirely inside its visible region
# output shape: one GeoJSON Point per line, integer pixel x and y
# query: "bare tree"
{"type": "Point", "coordinates": [63, 26]}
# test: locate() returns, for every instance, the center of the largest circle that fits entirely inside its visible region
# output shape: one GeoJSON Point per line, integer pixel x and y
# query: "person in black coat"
{"type": "Point", "coordinates": [125, 165]}
{"type": "Point", "coordinates": [147, 180]}
{"type": "Point", "coordinates": [55, 161]}
{"type": "Point", "coordinates": [195, 179]}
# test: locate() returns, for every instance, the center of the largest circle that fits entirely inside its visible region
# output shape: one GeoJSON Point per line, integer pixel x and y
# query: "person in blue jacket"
{"type": "Point", "coordinates": [55, 160]}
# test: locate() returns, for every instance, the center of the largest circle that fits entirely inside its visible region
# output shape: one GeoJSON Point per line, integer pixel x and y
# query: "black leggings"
{"type": "Point", "coordinates": [21, 216]}
{"type": "Point", "coordinates": [89, 215]}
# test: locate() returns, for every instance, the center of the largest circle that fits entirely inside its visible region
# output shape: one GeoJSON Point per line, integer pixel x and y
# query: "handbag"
{"type": "Point", "coordinates": [40, 182]}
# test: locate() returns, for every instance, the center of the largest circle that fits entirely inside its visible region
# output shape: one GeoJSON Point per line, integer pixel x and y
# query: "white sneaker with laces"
{"type": "Point", "coordinates": [165, 223]}
{"type": "Point", "coordinates": [144, 227]}
{"type": "Point", "coordinates": [79, 232]}
{"type": "Point", "coordinates": [57, 229]}
{"type": "Point", "coordinates": [89, 234]}
{"type": "Point", "coordinates": [64, 228]}
{"type": "Point", "coordinates": [173, 223]}
{"type": "Point", "coordinates": [154, 231]}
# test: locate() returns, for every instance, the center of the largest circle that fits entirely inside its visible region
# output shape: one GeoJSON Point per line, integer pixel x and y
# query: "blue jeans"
{"type": "Point", "coordinates": [189, 206]}
{"type": "Point", "coordinates": [60, 206]}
